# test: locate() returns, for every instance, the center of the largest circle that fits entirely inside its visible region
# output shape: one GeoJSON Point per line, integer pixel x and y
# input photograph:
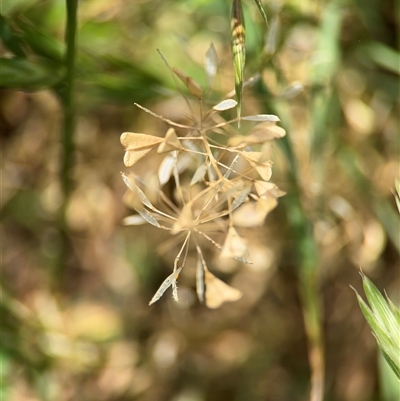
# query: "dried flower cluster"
{"type": "Point", "coordinates": [221, 184]}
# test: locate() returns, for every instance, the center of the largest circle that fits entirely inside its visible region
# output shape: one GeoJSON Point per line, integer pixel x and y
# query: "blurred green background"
{"type": "Point", "coordinates": [75, 324]}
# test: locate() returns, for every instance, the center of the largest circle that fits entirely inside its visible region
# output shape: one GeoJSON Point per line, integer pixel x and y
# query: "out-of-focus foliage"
{"type": "Point", "coordinates": [86, 332]}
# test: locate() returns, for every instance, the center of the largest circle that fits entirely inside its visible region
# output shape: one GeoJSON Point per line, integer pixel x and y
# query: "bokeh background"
{"type": "Point", "coordinates": [75, 320]}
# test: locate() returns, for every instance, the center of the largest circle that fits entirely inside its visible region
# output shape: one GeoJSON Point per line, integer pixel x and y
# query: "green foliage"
{"type": "Point", "coordinates": [30, 75]}
{"type": "Point", "coordinates": [384, 319]}
{"type": "Point", "coordinates": [10, 40]}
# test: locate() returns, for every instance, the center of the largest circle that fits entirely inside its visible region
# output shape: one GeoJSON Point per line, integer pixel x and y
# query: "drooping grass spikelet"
{"type": "Point", "coordinates": [238, 50]}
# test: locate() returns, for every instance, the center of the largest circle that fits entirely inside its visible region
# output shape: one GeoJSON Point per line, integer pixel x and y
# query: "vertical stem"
{"type": "Point", "coordinates": [307, 256]}
{"type": "Point", "coordinates": [308, 289]}
{"type": "Point", "coordinates": [67, 136]}
{"type": "Point", "coordinates": [311, 310]}
{"type": "Point", "coordinates": [68, 98]}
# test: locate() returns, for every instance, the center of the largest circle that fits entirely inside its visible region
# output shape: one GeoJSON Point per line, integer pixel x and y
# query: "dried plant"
{"type": "Point", "coordinates": [220, 179]}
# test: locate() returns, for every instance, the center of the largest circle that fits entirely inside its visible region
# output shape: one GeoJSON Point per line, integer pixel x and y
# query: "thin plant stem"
{"type": "Point", "coordinates": [307, 254]}
{"type": "Point", "coordinates": [68, 97]}
{"type": "Point", "coordinates": [67, 135]}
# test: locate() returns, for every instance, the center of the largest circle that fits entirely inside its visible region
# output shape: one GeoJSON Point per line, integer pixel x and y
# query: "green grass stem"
{"type": "Point", "coordinates": [67, 135]}
{"type": "Point", "coordinates": [307, 256]}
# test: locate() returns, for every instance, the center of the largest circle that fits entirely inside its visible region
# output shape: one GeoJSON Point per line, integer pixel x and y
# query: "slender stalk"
{"type": "Point", "coordinates": [307, 256]}
{"type": "Point", "coordinates": [68, 97]}
{"type": "Point", "coordinates": [66, 93]}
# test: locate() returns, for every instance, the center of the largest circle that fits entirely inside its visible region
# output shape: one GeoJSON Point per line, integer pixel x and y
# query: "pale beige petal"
{"type": "Point", "coordinates": [264, 170]}
{"type": "Point", "coordinates": [133, 156]}
{"type": "Point", "coordinates": [249, 215]}
{"type": "Point", "coordinates": [170, 142]}
{"type": "Point", "coordinates": [218, 292]}
{"type": "Point", "coordinates": [264, 188]}
{"type": "Point", "coordinates": [194, 88]}
{"type": "Point", "coordinates": [234, 246]}
{"type": "Point", "coordinates": [266, 204]}
{"type": "Point", "coordinates": [134, 141]}
{"type": "Point", "coordinates": [185, 220]}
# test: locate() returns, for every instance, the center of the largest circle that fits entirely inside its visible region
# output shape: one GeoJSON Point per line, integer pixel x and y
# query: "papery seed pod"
{"type": "Point", "coordinates": [165, 285]}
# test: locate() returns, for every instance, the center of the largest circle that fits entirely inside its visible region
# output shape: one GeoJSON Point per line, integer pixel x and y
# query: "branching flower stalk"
{"type": "Point", "coordinates": [221, 184]}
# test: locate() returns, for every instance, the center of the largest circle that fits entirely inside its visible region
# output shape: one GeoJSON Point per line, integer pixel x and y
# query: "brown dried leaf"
{"type": "Point", "coordinates": [194, 88]}
{"type": "Point", "coordinates": [218, 292]}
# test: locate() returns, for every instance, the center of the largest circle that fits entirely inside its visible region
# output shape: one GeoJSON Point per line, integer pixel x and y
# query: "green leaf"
{"type": "Point", "coordinates": [379, 306]}
{"type": "Point", "coordinates": [29, 75]}
{"type": "Point", "coordinates": [10, 40]}
{"type": "Point", "coordinates": [384, 320]}
{"type": "Point", "coordinates": [384, 56]}
{"type": "Point", "coordinates": [395, 311]}
{"type": "Point", "coordinates": [395, 366]}
{"type": "Point", "coordinates": [261, 8]}
{"type": "Point", "coordinates": [44, 45]}
{"type": "Point", "coordinates": [238, 50]}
